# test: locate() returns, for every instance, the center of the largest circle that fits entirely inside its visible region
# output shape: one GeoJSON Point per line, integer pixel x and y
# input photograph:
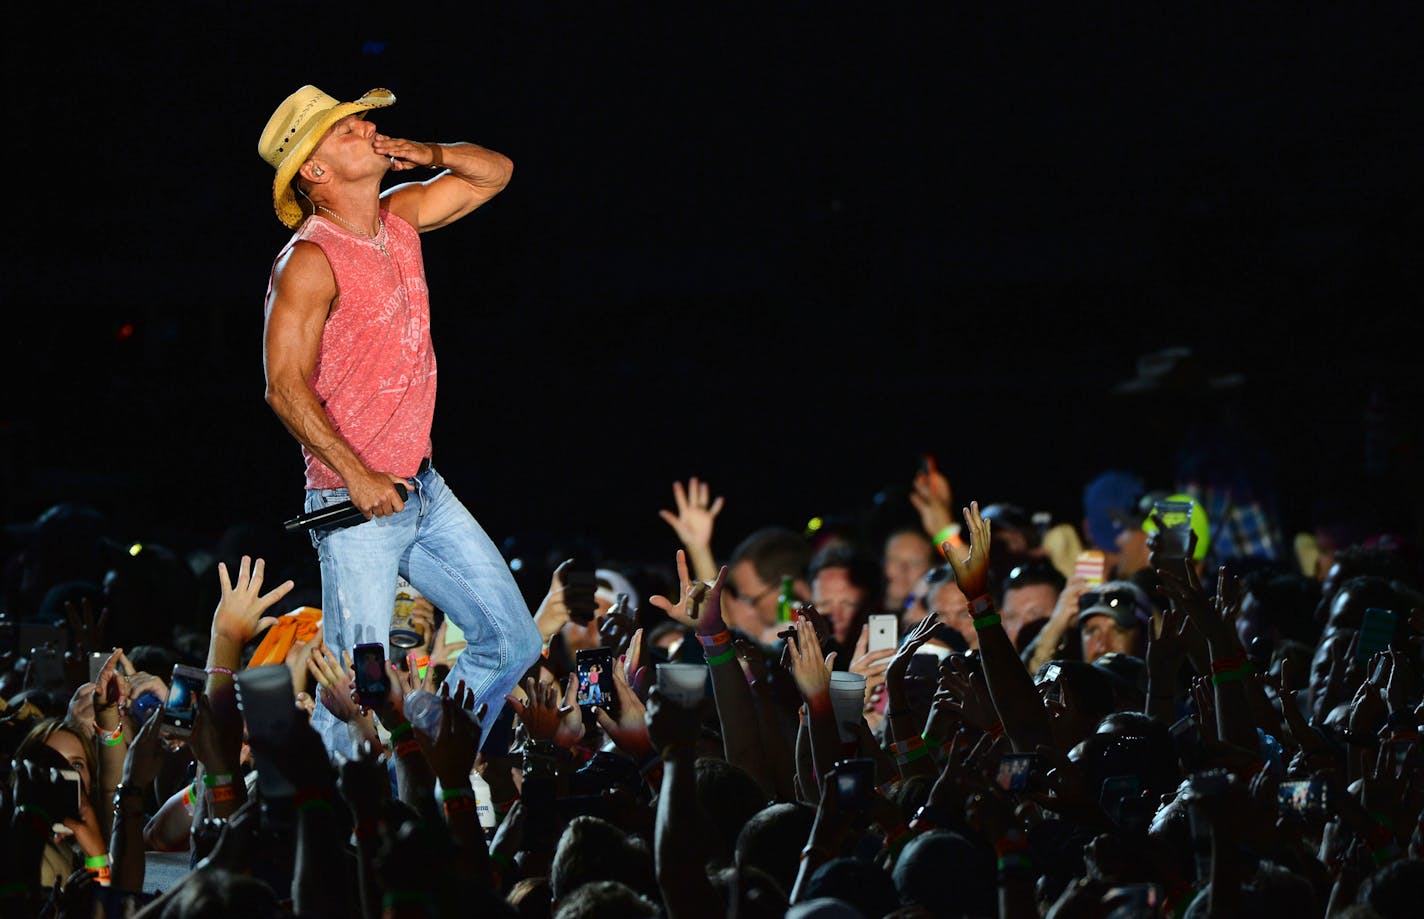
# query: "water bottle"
{"type": "Point", "coordinates": [422, 710]}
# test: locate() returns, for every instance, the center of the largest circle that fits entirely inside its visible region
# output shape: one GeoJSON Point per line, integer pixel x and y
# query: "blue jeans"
{"type": "Point", "coordinates": [436, 545]}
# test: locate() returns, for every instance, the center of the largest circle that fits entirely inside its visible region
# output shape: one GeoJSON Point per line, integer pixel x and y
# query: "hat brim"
{"type": "Point", "coordinates": [284, 197]}
{"type": "Point", "coordinates": [1111, 613]}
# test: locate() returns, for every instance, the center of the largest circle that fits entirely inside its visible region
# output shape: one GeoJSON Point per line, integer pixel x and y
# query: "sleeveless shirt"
{"type": "Point", "coordinates": [375, 368]}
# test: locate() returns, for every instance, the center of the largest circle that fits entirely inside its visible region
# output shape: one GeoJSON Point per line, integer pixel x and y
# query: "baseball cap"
{"type": "Point", "coordinates": [1106, 499]}
{"type": "Point", "coordinates": [1123, 601]}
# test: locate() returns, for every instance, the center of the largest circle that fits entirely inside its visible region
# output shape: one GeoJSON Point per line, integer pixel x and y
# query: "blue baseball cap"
{"type": "Point", "coordinates": [1106, 500]}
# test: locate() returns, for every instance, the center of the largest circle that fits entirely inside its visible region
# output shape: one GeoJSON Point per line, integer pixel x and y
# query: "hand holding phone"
{"type": "Point", "coordinates": [372, 680]}
{"type": "Point", "coordinates": [884, 629]}
{"type": "Point", "coordinates": [855, 779]}
{"type": "Point", "coordinates": [580, 589]}
{"type": "Point", "coordinates": [1021, 772]}
{"type": "Point", "coordinates": [594, 671]}
{"type": "Point", "coordinates": [1091, 566]}
{"type": "Point", "coordinates": [181, 706]}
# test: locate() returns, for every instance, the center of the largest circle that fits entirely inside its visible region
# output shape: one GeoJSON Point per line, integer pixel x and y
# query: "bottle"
{"type": "Point", "coordinates": [422, 710]}
{"type": "Point", "coordinates": [787, 598]}
{"type": "Point", "coordinates": [484, 804]}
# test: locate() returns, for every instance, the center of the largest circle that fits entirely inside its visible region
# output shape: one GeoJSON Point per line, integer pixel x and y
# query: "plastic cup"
{"type": "Point", "coordinates": [1176, 533]}
{"type": "Point", "coordinates": [685, 684]}
{"type": "Point", "coordinates": [847, 701]}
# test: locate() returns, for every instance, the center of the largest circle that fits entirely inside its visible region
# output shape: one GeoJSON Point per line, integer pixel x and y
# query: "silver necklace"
{"type": "Point", "coordinates": [378, 237]}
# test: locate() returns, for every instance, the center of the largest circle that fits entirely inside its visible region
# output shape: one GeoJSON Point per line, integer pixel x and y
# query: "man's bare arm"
{"type": "Point", "coordinates": [472, 176]}
{"type": "Point", "coordinates": [302, 294]}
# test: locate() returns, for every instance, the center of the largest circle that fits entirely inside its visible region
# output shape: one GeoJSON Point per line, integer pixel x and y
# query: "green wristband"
{"type": "Point", "coordinates": [399, 730]}
{"type": "Point", "coordinates": [447, 793]}
{"type": "Point", "coordinates": [984, 622]}
{"type": "Point", "coordinates": [715, 659]}
{"type": "Point", "coordinates": [97, 861]}
{"type": "Point", "coordinates": [1228, 676]}
{"type": "Point", "coordinates": [906, 759]}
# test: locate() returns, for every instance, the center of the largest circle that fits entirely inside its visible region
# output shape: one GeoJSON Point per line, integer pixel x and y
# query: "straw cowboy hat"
{"type": "Point", "coordinates": [294, 130]}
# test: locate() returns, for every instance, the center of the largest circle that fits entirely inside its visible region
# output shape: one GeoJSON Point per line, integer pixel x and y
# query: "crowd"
{"type": "Point", "coordinates": [978, 713]}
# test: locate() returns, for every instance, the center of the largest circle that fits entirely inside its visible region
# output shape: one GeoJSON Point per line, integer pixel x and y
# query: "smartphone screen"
{"type": "Point", "coordinates": [884, 632]}
{"type": "Point", "coordinates": [1376, 632]}
{"type": "Point", "coordinates": [854, 780]}
{"type": "Point", "coordinates": [1302, 798]}
{"type": "Point", "coordinates": [181, 706]}
{"type": "Point", "coordinates": [1090, 566]}
{"type": "Point", "coordinates": [594, 668]}
{"type": "Point", "coordinates": [1019, 771]}
{"type": "Point", "coordinates": [96, 664]}
{"type": "Point", "coordinates": [372, 683]}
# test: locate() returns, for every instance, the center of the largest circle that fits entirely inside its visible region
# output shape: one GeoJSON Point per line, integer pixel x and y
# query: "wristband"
{"type": "Point", "coordinates": [222, 793]}
{"type": "Point", "coordinates": [437, 156]}
{"type": "Point", "coordinates": [946, 537]}
{"type": "Point", "coordinates": [1014, 860]}
{"type": "Point", "coordinates": [919, 752]}
{"type": "Point", "coordinates": [114, 739]}
{"type": "Point", "coordinates": [723, 637]}
{"type": "Point", "coordinates": [217, 780]}
{"type": "Point", "coordinates": [1224, 664]}
{"type": "Point", "coordinates": [399, 731]}
{"type": "Point", "coordinates": [190, 798]}
{"type": "Point", "coordinates": [320, 804]}
{"type": "Point", "coordinates": [460, 805]}
{"type": "Point", "coordinates": [223, 670]}
{"type": "Point", "coordinates": [722, 658]}
{"type": "Point", "coordinates": [981, 605]}
{"type": "Point", "coordinates": [1229, 676]}
{"type": "Point", "coordinates": [97, 861]}
{"type": "Point", "coordinates": [447, 794]}
{"type": "Point", "coordinates": [407, 747]}
{"type": "Point", "coordinates": [394, 898]}
{"type": "Point", "coordinates": [422, 663]}
{"type": "Point", "coordinates": [907, 745]}
{"type": "Point", "coordinates": [984, 622]}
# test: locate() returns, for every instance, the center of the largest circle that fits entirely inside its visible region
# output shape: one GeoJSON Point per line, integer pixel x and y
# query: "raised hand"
{"type": "Point", "coordinates": [696, 513]}
{"type": "Point", "coordinates": [110, 687]}
{"type": "Point", "coordinates": [811, 672]}
{"type": "Point", "coordinates": [553, 610]}
{"type": "Point", "coordinates": [966, 693]}
{"type": "Point", "coordinates": [453, 750]}
{"type": "Point", "coordinates": [238, 617]}
{"type": "Point", "coordinates": [972, 573]}
{"type": "Point", "coordinates": [870, 664]}
{"type": "Point", "coordinates": [337, 684]}
{"type": "Point", "coordinates": [932, 497]}
{"type": "Point", "coordinates": [539, 710]}
{"type": "Point", "coordinates": [690, 593]}
{"type": "Point", "coordinates": [630, 730]}
{"type": "Point", "coordinates": [86, 632]}
{"type": "Point", "coordinates": [296, 660]}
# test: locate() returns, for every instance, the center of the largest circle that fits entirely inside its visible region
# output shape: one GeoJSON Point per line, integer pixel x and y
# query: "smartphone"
{"type": "Point", "coordinates": [1091, 566]}
{"type": "Point", "coordinates": [96, 664]}
{"type": "Point", "coordinates": [1376, 633]}
{"type": "Point", "coordinates": [580, 589]}
{"type": "Point", "coordinates": [1304, 798]}
{"type": "Point", "coordinates": [143, 705]}
{"type": "Point", "coordinates": [46, 670]}
{"type": "Point", "coordinates": [855, 778]}
{"type": "Point", "coordinates": [594, 670]}
{"type": "Point", "coordinates": [372, 682]}
{"type": "Point", "coordinates": [181, 706]}
{"type": "Point", "coordinates": [268, 705]}
{"type": "Point", "coordinates": [884, 632]}
{"type": "Point", "coordinates": [69, 789]}
{"type": "Point", "coordinates": [1020, 771]}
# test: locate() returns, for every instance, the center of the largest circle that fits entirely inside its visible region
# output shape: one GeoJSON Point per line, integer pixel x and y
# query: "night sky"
{"type": "Point", "coordinates": [785, 247]}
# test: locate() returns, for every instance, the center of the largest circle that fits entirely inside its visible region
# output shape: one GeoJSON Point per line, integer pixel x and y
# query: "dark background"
{"type": "Point", "coordinates": [785, 248]}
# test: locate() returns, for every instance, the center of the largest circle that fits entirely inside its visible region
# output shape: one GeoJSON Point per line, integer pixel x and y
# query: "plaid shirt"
{"type": "Point", "coordinates": [1244, 529]}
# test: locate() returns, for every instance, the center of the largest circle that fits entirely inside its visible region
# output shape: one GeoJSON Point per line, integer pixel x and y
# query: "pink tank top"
{"type": "Point", "coordinates": [375, 370]}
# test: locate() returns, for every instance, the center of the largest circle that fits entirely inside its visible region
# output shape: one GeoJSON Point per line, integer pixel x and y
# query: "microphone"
{"type": "Point", "coordinates": [334, 517]}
